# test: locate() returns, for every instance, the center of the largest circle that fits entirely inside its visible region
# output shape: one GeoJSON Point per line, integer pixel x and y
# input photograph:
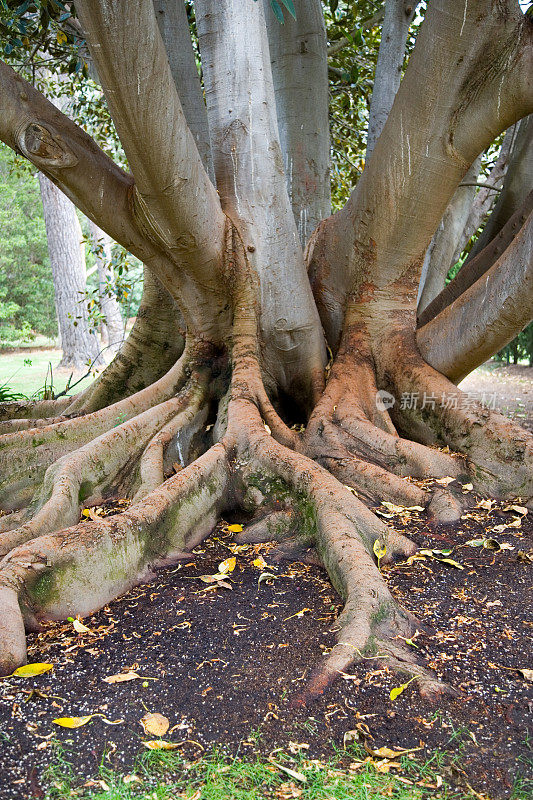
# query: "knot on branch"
{"type": "Point", "coordinates": [45, 148]}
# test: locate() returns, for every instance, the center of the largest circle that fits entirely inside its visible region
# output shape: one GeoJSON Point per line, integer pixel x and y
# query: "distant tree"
{"type": "Point", "coordinates": [78, 344]}
{"type": "Point", "coordinates": [26, 288]}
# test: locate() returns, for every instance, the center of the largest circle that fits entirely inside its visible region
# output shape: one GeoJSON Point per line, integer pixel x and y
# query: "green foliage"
{"type": "Point", "coordinates": [43, 26]}
{"type": "Point", "coordinates": [26, 288]}
{"type": "Point", "coordinates": [520, 349]}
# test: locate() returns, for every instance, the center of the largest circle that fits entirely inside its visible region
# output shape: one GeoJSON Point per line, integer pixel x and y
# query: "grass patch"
{"type": "Point", "coordinates": [26, 372]}
{"type": "Point", "coordinates": [160, 775]}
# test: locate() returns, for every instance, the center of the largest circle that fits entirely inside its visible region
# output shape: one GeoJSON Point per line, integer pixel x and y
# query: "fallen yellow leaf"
{"type": "Point", "coordinates": [396, 692]}
{"type": "Point", "coordinates": [30, 670]}
{"type": "Point", "coordinates": [259, 562]}
{"type": "Point", "coordinates": [234, 528]}
{"type": "Point", "coordinates": [121, 677]}
{"type": "Point", "coordinates": [160, 744]}
{"type": "Point", "coordinates": [79, 627]}
{"type": "Point", "coordinates": [228, 565]}
{"type": "Point", "coordinates": [72, 722]}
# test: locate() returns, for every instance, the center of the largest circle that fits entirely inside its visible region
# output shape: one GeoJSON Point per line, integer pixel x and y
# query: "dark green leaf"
{"type": "Point", "coordinates": [278, 13]}
{"type": "Point", "coordinates": [289, 5]}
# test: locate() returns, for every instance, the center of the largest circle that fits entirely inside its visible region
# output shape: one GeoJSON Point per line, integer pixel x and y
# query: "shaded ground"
{"type": "Point", "coordinates": [228, 662]}
{"type": "Point", "coordinates": [508, 387]}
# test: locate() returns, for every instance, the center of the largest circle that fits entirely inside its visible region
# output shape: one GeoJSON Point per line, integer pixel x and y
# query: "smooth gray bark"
{"type": "Point", "coordinates": [441, 251]}
{"type": "Point", "coordinates": [398, 18]}
{"type": "Point", "coordinates": [516, 187]}
{"type": "Point", "coordinates": [80, 347]}
{"type": "Point", "coordinates": [487, 316]}
{"type": "Point", "coordinates": [174, 202]}
{"type": "Point", "coordinates": [251, 183]}
{"type": "Point", "coordinates": [110, 309]}
{"type": "Point", "coordinates": [173, 24]}
{"type": "Point", "coordinates": [298, 53]}
{"type": "Point", "coordinates": [485, 198]}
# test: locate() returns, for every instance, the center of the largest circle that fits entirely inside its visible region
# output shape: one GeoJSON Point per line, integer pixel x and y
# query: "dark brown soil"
{"type": "Point", "coordinates": [228, 662]}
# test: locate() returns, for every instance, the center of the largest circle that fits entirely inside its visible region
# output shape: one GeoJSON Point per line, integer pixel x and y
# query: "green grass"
{"type": "Point", "coordinates": [167, 776]}
{"type": "Point", "coordinates": [26, 372]}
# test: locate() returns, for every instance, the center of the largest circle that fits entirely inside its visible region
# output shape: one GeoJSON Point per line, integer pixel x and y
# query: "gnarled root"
{"type": "Point", "coordinates": [80, 569]}
{"type": "Point", "coordinates": [26, 455]}
{"type": "Point", "coordinates": [90, 471]}
{"type": "Point", "coordinates": [343, 531]}
{"type": "Point", "coordinates": [354, 437]}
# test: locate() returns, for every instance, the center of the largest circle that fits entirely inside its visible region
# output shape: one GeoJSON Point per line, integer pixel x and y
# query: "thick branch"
{"type": "Point", "coordinates": [398, 18]}
{"type": "Point", "coordinates": [173, 26]}
{"type": "Point", "coordinates": [174, 201]}
{"type": "Point", "coordinates": [300, 74]}
{"type": "Point", "coordinates": [485, 317]}
{"type": "Point", "coordinates": [516, 186]}
{"type": "Point", "coordinates": [32, 125]}
{"type": "Point", "coordinates": [467, 80]}
{"type": "Point", "coordinates": [472, 270]}
{"type": "Point", "coordinates": [485, 198]}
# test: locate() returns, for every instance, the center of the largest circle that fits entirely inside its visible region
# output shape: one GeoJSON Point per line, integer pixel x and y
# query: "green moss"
{"type": "Point", "coordinates": [85, 491]}
{"type": "Point", "coordinates": [371, 647]}
{"type": "Point", "coordinates": [276, 488]}
{"type": "Point", "coordinates": [45, 590]}
{"type": "Point", "coordinates": [37, 442]}
{"type": "Point", "coordinates": [379, 615]}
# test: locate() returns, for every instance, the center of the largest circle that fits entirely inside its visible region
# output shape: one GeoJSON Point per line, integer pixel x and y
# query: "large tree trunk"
{"type": "Point", "coordinates": [245, 411]}
{"type": "Point", "coordinates": [80, 346]}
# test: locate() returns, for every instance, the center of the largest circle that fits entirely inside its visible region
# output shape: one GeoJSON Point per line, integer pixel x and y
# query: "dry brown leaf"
{"type": "Point", "coordinates": [155, 724]}
{"type": "Point", "coordinates": [121, 677]}
{"type": "Point", "coordinates": [79, 627]}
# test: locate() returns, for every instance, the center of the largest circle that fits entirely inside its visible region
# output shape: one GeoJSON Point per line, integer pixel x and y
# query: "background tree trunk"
{"type": "Point", "coordinates": [79, 346]}
{"type": "Point", "coordinates": [114, 326]}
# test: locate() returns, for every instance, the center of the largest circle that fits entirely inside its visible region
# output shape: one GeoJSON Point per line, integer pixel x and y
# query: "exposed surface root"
{"type": "Point", "coordinates": [354, 437]}
{"type": "Point", "coordinates": [90, 471]}
{"type": "Point", "coordinates": [30, 409]}
{"type": "Point", "coordinates": [79, 569]}
{"type": "Point", "coordinates": [499, 452]}
{"type": "Point", "coordinates": [287, 481]}
{"type": "Point", "coordinates": [26, 455]}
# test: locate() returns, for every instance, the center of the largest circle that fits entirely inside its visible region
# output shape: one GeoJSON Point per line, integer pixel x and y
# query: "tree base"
{"type": "Point", "coordinates": [253, 462]}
